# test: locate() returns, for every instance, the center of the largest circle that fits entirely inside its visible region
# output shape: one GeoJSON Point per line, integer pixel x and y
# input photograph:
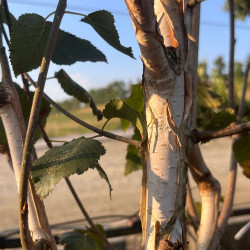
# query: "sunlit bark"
{"type": "Point", "coordinates": [162, 37]}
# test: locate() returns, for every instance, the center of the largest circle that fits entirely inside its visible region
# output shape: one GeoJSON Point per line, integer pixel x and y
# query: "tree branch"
{"type": "Point", "coordinates": [84, 124]}
{"type": "Point", "coordinates": [7, 14]}
{"type": "Point", "coordinates": [27, 161]}
{"type": "Point", "coordinates": [197, 136]}
{"type": "Point", "coordinates": [210, 193]}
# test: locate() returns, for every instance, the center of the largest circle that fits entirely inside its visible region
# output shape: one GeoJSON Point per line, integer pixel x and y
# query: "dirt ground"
{"type": "Point", "coordinates": [93, 190]}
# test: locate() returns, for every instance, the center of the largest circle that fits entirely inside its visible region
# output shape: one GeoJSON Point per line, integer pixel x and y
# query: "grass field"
{"type": "Point", "coordinates": [60, 125]}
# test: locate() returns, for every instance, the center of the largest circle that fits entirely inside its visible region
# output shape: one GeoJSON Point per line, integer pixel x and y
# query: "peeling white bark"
{"type": "Point", "coordinates": [159, 25]}
{"type": "Point", "coordinates": [13, 135]}
{"type": "Point", "coordinates": [165, 157]}
{"type": "Point", "coordinates": [165, 25]}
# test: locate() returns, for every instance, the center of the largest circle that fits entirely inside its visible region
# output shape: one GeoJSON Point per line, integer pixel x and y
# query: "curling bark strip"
{"type": "Point", "coordinates": [164, 177]}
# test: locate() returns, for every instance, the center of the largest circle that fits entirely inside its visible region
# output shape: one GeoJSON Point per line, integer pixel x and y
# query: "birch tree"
{"type": "Point", "coordinates": [168, 34]}
{"type": "Point", "coordinates": [161, 34]}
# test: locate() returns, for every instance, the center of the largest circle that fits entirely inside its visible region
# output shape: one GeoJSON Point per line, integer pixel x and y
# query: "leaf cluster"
{"type": "Point", "coordinates": [30, 34]}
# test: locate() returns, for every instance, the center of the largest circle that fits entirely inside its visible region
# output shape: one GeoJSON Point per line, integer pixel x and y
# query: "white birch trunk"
{"type": "Point", "coordinates": [159, 26]}
{"type": "Point", "coordinates": [165, 164]}
{"type": "Point", "coordinates": [13, 135]}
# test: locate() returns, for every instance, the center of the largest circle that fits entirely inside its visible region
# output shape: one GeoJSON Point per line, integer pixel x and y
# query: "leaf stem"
{"type": "Point", "coordinates": [104, 125]}
{"type": "Point", "coordinates": [84, 124]}
{"type": "Point", "coordinates": [66, 12]}
{"type": "Point", "coordinates": [51, 77]}
{"type": "Point", "coordinates": [27, 161]}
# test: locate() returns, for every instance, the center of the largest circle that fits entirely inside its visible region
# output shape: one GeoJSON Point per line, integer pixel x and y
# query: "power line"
{"type": "Point", "coordinates": [224, 25]}
{"type": "Point", "coordinates": [116, 12]}
{"type": "Point", "coordinates": [69, 7]}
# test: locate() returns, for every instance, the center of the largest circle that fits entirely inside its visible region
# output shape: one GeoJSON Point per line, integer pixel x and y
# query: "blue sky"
{"type": "Point", "coordinates": [214, 41]}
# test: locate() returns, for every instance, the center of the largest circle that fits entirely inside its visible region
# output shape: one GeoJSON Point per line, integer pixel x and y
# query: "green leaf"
{"type": "Point", "coordinates": [74, 89]}
{"type": "Point", "coordinates": [26, 107]}
{"type": "Point", "coordinates": [103, 23]}
{"type": "Point", "coordinates": [221, 120]}
{"type": "Point", "coordinates": [78, 241]}
{"type": "Point", "coordinates": [241, 149]}
{"type": "Point", "coordinates": [28, 41]}
{"type": "Point", "coordinates": [94, 236]}
{"type": "Point", "coordinates": [133, 157]}
{"type": "Point", "coordinates": [135, 101]}
{"type": "Point", "coordinates": [119, 109]}
{"type": "Point", "coordinates": [71, 49]}
{"type": "Point", "coordinates": [75, 157]}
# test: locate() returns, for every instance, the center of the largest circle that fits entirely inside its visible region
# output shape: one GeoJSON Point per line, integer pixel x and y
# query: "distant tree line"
{"type": "Point", "coordinates": [116, 89]}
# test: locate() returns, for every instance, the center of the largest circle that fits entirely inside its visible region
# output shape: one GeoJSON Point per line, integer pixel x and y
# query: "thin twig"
{"type": "Point", "coordinates": [4, 32]}
{"type": "Point", "coordinates": [26, 162]}
{"type": "Point", "coordinates": [93, 226]}
{"type": "Point", "coordinates": [84, 124]}
{"type": "Point", "coordinates": [7, 14]}
{"type": "Point", "coordinates": [197, 136]}
{"type": "Point", "coordinates": [243, 95]}
{"type": "Point", "coordinates": [231, 103]}
{"type": "Point", "coordinates": [232, 173]}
